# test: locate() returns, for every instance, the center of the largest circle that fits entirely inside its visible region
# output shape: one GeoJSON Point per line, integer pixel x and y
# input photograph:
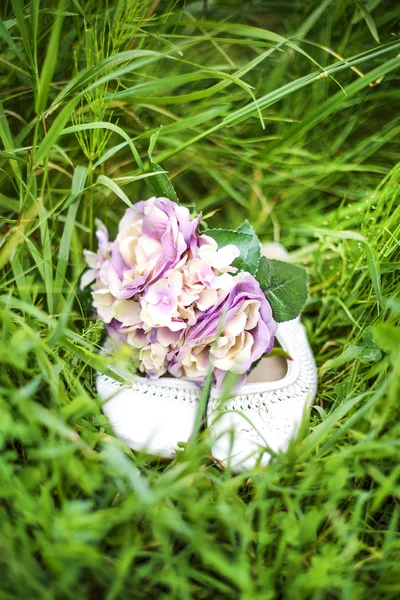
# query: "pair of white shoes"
{"type": "Point", "coordinates": [245, 430]}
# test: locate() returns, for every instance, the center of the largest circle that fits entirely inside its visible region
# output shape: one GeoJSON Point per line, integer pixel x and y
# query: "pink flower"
{"type": "Point", "coordinates": [206, 272]}
{"type": "Point", "coordinates": [160, 303]}
{"type": "Point", "coordinates": [152, 240]}
{"type": "Point", "coordinates": [98, 262]}
{"type": "Point", "coordinates": [231, 335]}
{"type": "Point", "coordinates": [173, 296]}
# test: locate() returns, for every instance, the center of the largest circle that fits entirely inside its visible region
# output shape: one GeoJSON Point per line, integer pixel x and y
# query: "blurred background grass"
{"type": "Point", "coordinates": [285, 113]}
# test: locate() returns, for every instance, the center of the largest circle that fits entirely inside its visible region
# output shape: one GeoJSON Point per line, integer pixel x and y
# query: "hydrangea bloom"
{"type": "Point", "coordinates": [233, 333]}
{"type": "Point", "coordinates": [152, 240]}
{"type": "Point", "coordinates": [174, 297]}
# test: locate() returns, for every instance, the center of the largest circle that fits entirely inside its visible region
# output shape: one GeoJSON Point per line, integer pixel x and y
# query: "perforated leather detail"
{"type": "Point", "coordinates": [276, 406]}
{"type": "Point", "coordinates": [170, 389]}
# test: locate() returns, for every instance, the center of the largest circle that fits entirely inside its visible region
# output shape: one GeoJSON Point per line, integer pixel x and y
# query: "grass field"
{"type": "Point", "coordinates": [285, 113]}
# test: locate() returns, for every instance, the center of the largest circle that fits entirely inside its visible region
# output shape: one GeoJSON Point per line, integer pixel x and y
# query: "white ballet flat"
{"type": "Point", "coordinates": [150, 415]}
{"type": "Point", "coordinates": [155, 415]}
{"type": "Point", "coordinates": [265, 415]}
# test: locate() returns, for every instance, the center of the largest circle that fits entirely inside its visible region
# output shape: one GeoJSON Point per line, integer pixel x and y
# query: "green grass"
{"type": "Point", "coordinates": [260, 120]}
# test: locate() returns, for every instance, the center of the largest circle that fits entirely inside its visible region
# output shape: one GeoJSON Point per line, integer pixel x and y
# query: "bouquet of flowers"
{"type": "Point", "coordinates": [185, 300]}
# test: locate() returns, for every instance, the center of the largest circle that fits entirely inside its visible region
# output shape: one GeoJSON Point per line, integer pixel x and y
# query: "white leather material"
{"type": "Point", "coordinates": [150, 415]}
{"type": "Point", "coordinates": [265, 415]}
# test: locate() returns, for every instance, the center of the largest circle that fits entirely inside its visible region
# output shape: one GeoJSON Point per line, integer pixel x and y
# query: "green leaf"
{"type": "Point", "coordinates": [8, 39]}
{"type": "Point", "coordinates": [46, 240]}
{"type": "Point", "coordinates": [110, 127]}
{"type": "Point", "coordinates": [368, 339]}
{"type": "Point", "coordinates": [225, 237]}
{"type": "Point", "coordinates": [7, 140]}
{"type": "Point", "coordinates": [104, 71]}
{"type": "Point", "coordinates": [9, 204]}
{"type": "Point", "coordinates": [316, 116]}
{"type": "Point", "coordinates": [369, 21]}
{"type": "Point", "coordinates": [93, 360]}
{"type": "Point", "coordinates": [160, 183]}
{"type": "Point", "coordinates": [370, 253]}
{"type": "Point", "coordinates": [348, 355]}
{"type": "Point", "coordinates": [55, 130]}
{"type": "Point", "coordinates": [104, 180]}
{"type": "Point", "coordinates": [342, 388]}
{"type": "Point", "coordinates": [78, 185]}
{"type": "Point", "coordinates": [50, 61]}
{"type": "Point", "coordinates": [114, 187]}
{"type": "Point", "coordinates": [286, 287]}
{"type": "Point", "coordinates": [369, 355]}
{"type": "Point", "coordinates": [387, 337]}
{"type": "Point", "coordinates": [18, 7]}
{"type": "Point", "coordinates": [254, 253]}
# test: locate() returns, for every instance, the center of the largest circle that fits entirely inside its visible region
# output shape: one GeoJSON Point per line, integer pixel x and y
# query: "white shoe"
{"type": "Point", "coordinates": [150, 415]}
{"type": "Point", "coordinates": [153, 416]}
{"type": "Point", "coordinates": [265, 414]}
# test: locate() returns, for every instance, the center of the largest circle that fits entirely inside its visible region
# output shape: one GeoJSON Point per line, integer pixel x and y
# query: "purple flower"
{"type": "Point", "coordinates": [160, 303]}
{"type": "Point", "coordinates": [152, 240]}
{"type": "Point", "coordinates": [98, 262]}
{"type": "Point", "coordinates": [173, 297]}
{"type": "Point", "coordinates": [231, 335]}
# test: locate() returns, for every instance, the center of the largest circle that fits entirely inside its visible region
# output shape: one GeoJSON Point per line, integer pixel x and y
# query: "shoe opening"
{"type": "Point", "coordinates": [270, 368]}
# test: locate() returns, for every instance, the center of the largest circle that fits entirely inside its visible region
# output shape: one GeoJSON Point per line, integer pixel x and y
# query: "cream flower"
{"type": "Point", "coordinates": [232, 353]}
{"type": "Point", "coordinates": [153, 359]}
{"type": "Point", "coordinates": [103, 303]}
{"type": "Point", "coordinates": [127, 312]}
{"type": "Point", "coordinates": [137, 337]}
{"type": "Point", "coordinates": [194, 364]}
